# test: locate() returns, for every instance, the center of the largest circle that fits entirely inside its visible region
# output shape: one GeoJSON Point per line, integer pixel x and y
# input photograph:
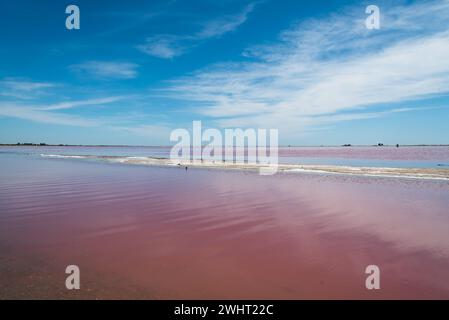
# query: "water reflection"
{"type": "Point", "coordinates": [221, 234]}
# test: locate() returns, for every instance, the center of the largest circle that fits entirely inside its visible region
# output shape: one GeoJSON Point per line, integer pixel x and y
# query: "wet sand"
{"type": "Point", "coordinates": [157, 232]}
{"type": "Point", "coordinates": [414, 173]}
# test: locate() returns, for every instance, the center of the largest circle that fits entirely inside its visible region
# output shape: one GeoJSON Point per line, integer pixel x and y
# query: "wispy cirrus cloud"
{"type": "Point", "coordinates": [125, 124]}
{"type": "Point", "coordinates": [80, 103]}
{"type": "Point", "coordinates": [225, 24]}
{"type": "Point", "coordinates": [320, 69]}
{"type": "Point", "coordinates": [167, 46]}
{"type": "Point", "coordinates": [54, 114]}
{"type": "Point", "coordinates": [23, 88]}
{"type": "Point", "coordinates": [103, 111]}
{"type": "Point", "coordinates": [48, 113]}
{"type": "Point", "coordinates": [106, 69]}
{"type": "Point", "coordinates": [32, 113]}
{"type": "Point", "coordinates": [33, 109]}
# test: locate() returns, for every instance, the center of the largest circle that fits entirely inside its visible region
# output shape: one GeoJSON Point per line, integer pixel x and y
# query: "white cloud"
{"type": "Point", "coordinates": [30, 113]}
{"type": "Point", "coordinates": [107, 70]}
{"type": "Point", "coordinates": [22, 88]}
{"type": "Point", "coordinates": [80, 103]}
{"type": "Point", "coordinates": [218, 27]}
{"type": "Point", "coordinates": [163, 46]}
{"type": "Point", "coordinates": [168, 46]}
{"type": "Point", "coordinates": [129, 123]}
{"type": "Point", "coordinates": [325, 67]}
{"type": "Point", "coordinates": [47, 113]}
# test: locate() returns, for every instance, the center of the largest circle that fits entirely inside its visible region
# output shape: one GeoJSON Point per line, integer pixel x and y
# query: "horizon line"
{"type": "Point", "coordinates": [30, 144]}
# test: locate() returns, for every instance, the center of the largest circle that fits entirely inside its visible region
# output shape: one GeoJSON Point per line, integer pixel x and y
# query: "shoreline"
{"type": "Point", "coordinates": [168, 146]}
{"type": "Point", "coordinates": [411, 173]}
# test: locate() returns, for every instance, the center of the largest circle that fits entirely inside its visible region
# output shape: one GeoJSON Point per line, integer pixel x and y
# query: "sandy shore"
{"type": "Point", "coordinates": [414, 173]}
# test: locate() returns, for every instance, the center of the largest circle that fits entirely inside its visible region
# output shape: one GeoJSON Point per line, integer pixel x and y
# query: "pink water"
{"type": "Point", "coordinates": [404, 156]}
{"type": "Point", "coordinates": [149, 232]}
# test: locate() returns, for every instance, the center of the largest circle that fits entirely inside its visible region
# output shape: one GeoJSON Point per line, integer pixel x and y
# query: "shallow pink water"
{"type": "Point", "coordinates": [382, 153]}
{"type": "Point", "coordinates": [149, 232]}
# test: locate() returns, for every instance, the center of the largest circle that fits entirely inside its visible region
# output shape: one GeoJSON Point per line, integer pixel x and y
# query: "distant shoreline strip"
{"type": "Point", "coordinates": [411, 173]}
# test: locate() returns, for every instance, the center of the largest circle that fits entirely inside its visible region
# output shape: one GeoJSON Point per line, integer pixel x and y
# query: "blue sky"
{"type": "Point", "coordinates": [138, 69]}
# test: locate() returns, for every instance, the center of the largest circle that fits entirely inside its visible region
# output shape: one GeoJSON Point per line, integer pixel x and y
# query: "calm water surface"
{"type": "Point", "coordinates": [151, 232]}
{"type": "Point", "coordinates": [402, 157]}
